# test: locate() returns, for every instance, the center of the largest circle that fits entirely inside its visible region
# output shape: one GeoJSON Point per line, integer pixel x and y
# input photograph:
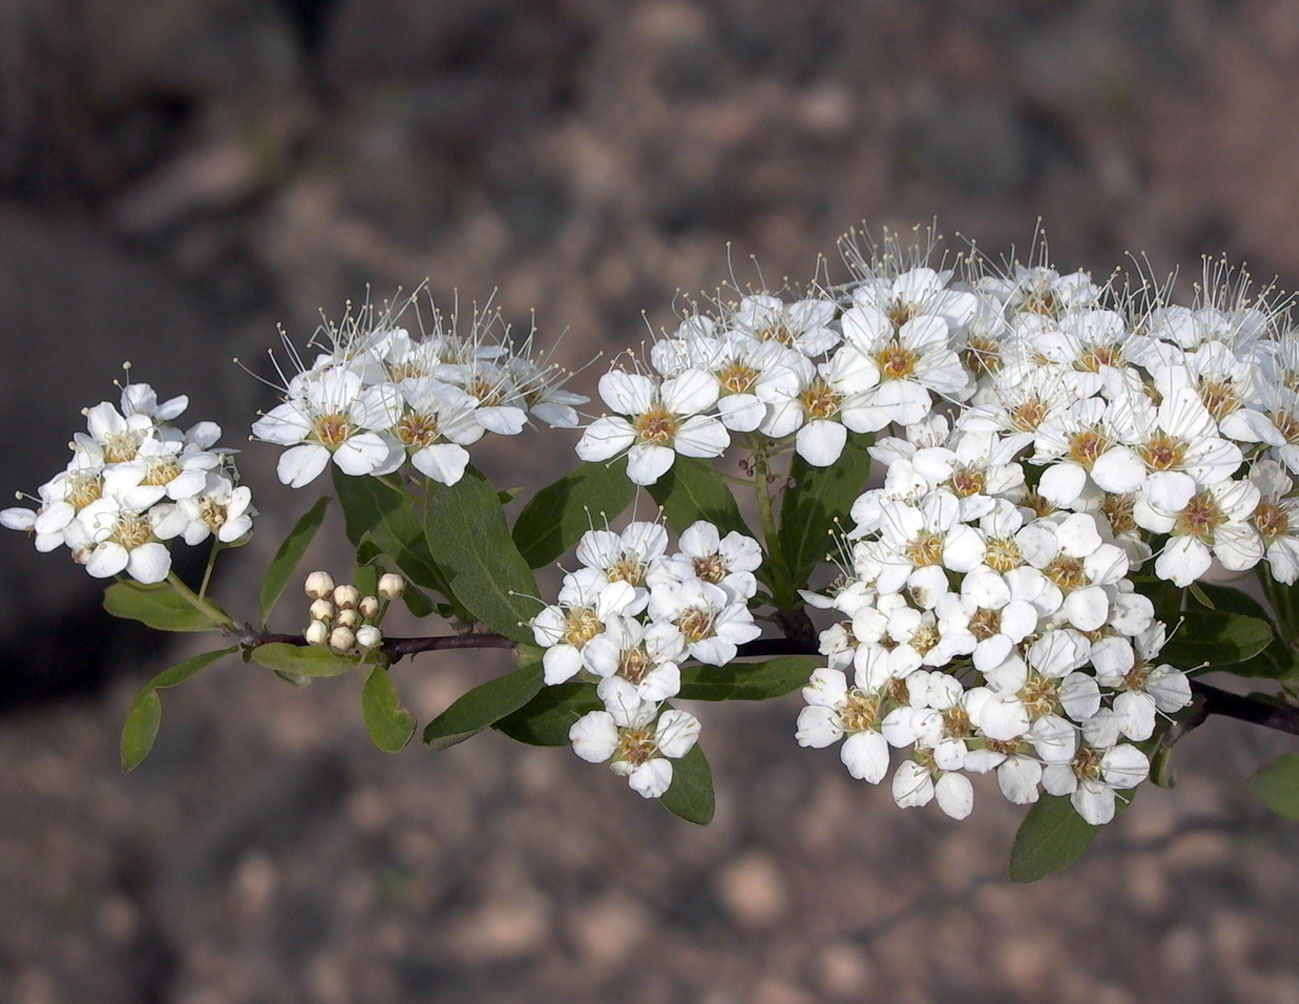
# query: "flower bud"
{"type": "Point", "coordinates": [348, 619]}
{"type": "Point", "coordinates": [369, 607]}
{"type": "Point", "coordinates": [317, 633]}
{"type": "Point", "coordinates": [369, 636]}
{"type": "Point", "coordinates": [322, 610]}
{"type": "Point", "coordinates": [346, 597]}
{"type": "Point", "coordinates": [342, 639]}
{"type": "Point", "coordinates": [319, 585]}
{"type": "Point", "coordinates": [391, 586]}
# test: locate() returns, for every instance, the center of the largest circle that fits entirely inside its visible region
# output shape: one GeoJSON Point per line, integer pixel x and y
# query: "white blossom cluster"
{"type": "Point", "coordinates": [990, 621]}
{"type": "Point", "coordinates": [344, 619]}
{"type": "Point", "coordinates": [135, 482]}
{"type": "Point", "coordinates": [628, 617]}
{"type": "Point", "coordinates": [382, 396]}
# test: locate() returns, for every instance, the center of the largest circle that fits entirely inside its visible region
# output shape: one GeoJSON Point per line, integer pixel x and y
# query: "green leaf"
{"type": "Point", "coordinates": [466, 532]}
{"type": "Point", "coordinates": [145, 714]}
{"type": "Point", "coordinates": [391, 520]}
{"type": "Point", "coordinates": [690, 795]}
{"type": "Point", "coordinates": [819, 495]}
{"type": "Point", "coordinates": [287, 557]}
{"type": "Point", "coordinates": [546, 719]}
{"type": "Point", "coordinates": [754, 681]}
{"type": "Point", "coordinates": [1276, 785]}
{"type": "Point", "coordinates": [483, 706]}
{"type": "Point", "coordinates": [158, 606]}
{"type": "Point", "coordinates": [692, 490]}
{"type": "Point", "coordinates": [1051, 837]}
{"type": "Point", "coordinates": [389, 724]}
{"type": "Point", "coordinates": [301, 660]}
{"type": "Point", "coordinates": [1218, 640]}
{"type": "Point", "coordinates": [1277, 661]}
{"type": "Point", "coordinates": [557, 516]}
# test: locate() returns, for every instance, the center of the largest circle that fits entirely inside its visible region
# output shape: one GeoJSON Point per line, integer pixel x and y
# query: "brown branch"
{"type": "Point", "coordinates": [1209, 700]}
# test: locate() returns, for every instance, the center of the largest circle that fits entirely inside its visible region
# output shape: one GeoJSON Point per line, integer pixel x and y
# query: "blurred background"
{"type": "Point", "coordinates": [179, 176]}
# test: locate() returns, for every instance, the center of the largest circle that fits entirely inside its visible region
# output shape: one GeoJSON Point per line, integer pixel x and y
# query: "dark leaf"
{"type": "Point", "coordinates": [145, 715]}
{"type": "Point", "coordinates": [389, 724]}
{"type": "Point", "coordinates": [483, 707]}
{"type": "Point", "coordinates": [755, 681]}
{"type": "Point", "coordinates": [557, 516]}
{"type": "Point", "coordinates": [287, 557]}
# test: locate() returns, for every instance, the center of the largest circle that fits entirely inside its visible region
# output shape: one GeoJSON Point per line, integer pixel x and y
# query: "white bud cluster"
{"type": "Point", "coordinates": [342, 617]}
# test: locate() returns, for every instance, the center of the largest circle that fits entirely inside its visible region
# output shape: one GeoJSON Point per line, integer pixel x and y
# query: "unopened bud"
{"type": "Point", "coordinates": [322, 610]}
{"type": "Point", "coordinates": [319, 585]}
{"type": "Point", "coordinates": [369, 636]}
{"type": "Point", "coordinates": [391, 586]}
{"type": "Point", "coordinates": [317, 633]}
{"type": "Point", "coordinates": [342, 639]}
{"type": "Point", "coordinates": [348, 619]}
{"type": "Point", "coordinates": [346, 597]}
{"type": "Point", "coordinates": [369, 607]}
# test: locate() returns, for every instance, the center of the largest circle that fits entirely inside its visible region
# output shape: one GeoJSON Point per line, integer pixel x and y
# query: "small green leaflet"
{"type": "Point", "coordinates": [1217, 640]}
{"type": "Point", "coordinates": [483, 706]}
{"type": "Point", "coordinates": [557, 516]}
{"type": "Point", "coordinates": [1276, 785]}
{"type": "Point", "coordinates": [1277, 660]}
{"type": "Point", "coordinates": [754, 681]}
{"type": "Point", "coordinates": [808, 512]}
{"type": "Point", "coordinates": [1053, 836]}
{"type": "Point", "coordinates": [546, 719]}
{"type": "Point", "coordinates": [690, 795]}
{"type": "Point", "coordinates": [389, 724]}
{"type": "Point", "coordinates": [301, 660]}
{"type": "Point", "coordinates": [287, 557]}
{"type": "Point", "coordinates": [467, 535]}
{"type": "Point", "coordinates": [145, 714]}
{"type": "Point", "coordinates": [158, 606]}
{"type": "Point", "coordinates": [692, 490]}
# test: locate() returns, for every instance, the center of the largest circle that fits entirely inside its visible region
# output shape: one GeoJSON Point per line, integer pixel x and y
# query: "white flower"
{"type": "Point", "coordinates": [1213, 524]}
{"type": "Point", "coordinates": [710, 620]}
{"type": "Point", "coordinates": [1277, 520]}
{"type": "Point", "coordinates": [827, 402]}
{"type": "Point", "coordinates": [565, 628]}
{"type": "Point", "coordinates": [727, 562]}
{"type": "Point", "coordinates": [627, 556]}
{"type": "Point", "coordinates": [434, 424]}
{"type": "Point", "coordinates": [803, 325]}
{"type": "Point", "coordinates": [834, 710]}
{"type": "Point", "coordinates": [114, 539]}
{"type": "Point", "coordinates": [646, 656]}
{"type": "Point", "coordinates": [220, 509]}
{"type": "Point", "coordinates": [623, 735]}
{"type": "Point", "coordinates": [918, 782]}
{"type": "Point", "coordinates": [1092, 776]}
{"type": "Point", "coordinates": [655, 422]}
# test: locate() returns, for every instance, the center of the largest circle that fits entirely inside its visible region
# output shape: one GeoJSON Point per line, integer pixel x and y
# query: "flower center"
{"type": "Point", "coordinates": [967, 481]}
{"type": "Point", "coordinates": [1286, 424]}
{"type": "Point", "coordinates": [985, 624]}
{"type": "Point", "coordinates": [657, 426]}
{"type": "Point", "coordinates": [1066, 572]}
{"type": "Point", "coordinates": [710, 568]}
{"type": "Point", "coordinates": [120, 447]}
{"type": "Point", "coordinates": [84, 489]}
{"type": "Point", "coordinates": [1101, 355]}
{"type": "Point", "coordinates": [1039, 695]}
{"type": "Point", "coordinates": [409, 370]}
{"type": "Point", "coordinates": [697, 623]}
{"type": "Point", "coordinates": [1135, 678]}
{"type": "Point", "coordinates": [1006, 747]}
{"type": "Point", "coordinates": [628, 568]}
{"type": "Point", "coordinates": [895, 362]}
{"type": "Point", "coordinates": [1029, 415]}
{"type": "Point", "coordinates": [820, 400]}
{"type": "Point", "coordinates": [332, 430]}
{"type": "Point", "coordinates": [1039, 505]}
{"type": "Point", "coordinates": [1201, 516]}
{"type": "Point", "coordinates": [416, 429]}
{"type": "Point", "coordinates": [488, 394]}
{"type": "Point", "coordinates": [132, 530]}
{"type": "Point", "coordinates": [212, 513]}
{"type": "Point", "coordinates": [634, 665]}
{"type": "Point", "coordinates": [1219, 399]}
{"type": "Point", "coordinates": [1086, 764]}
{"type": "Point", "coordinates": [1163, 452]}
{"type": "Point", "coordinates": [899, 313]}
{"type": "Point", "coordinates": [925, 638]}
{"type": "Point", "coordinates": [1272, 520]}
{"type": "Point", "coordinates": [738, 378]}
{"type": "Point", "coordinates": [1042, 302]}
{"type": "Point", "coordinates": [581, 625]}
{"type": "Point", "coordinates": [1003, 554]}
{"type": "Point", "coordinates": [161, 471]}
{"type": "Point", "coordinates": [956, 723]}
{"type": "Point", "coordinates": [860, 712]}
{"type": "Point", "coordinates": [1118, 510]}
{"type": "Point", "coordinates": [1086, 447]}
{"type": "Point", "coordinates": [635, 746]}
{"type": "Point", "coordinates": [926, 549]}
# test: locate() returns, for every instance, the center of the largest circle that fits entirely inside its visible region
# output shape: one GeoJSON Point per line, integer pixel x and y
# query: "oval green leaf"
{"type": "Point", "coordinates": [1218, 640]}
{"type": "Point", "coordinates": [301, 660]}
{"type": "Point", "coordinates": [557, 516]}
{"type": "Point", "coordinates": [483, 706]}
{"type": "Point", "coordinates": [390, 725]}
{"type": "Point", "coordinates": [158, 606]}
{"type": "Point", "coordinates": [1276, 785]}
{"type": "Point", "coordinates": [145, 714]}
{"type": "Point", "coordinates": [287, 557]}
{"type": "Point", "coordinates": [466, 532]}
{"type": "Point", "coordinates": [692, 490]}
{"type": "Point", "coordinates": [754, 681]}
{"type": "Point", "coordinates": [690, 795]}
{"type": "Point", "coordinates": [1277, 661]}
{"type": "Point", "coordinates": [1051, 837]}
{"type": "Point", "coordinates": [546, 719]}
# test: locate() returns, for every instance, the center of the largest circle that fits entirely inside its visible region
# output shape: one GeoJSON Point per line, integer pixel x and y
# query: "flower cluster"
{"type": "Point", "coordinates": [134, 482]}
{"type": "Point", "coordinates": [628, 617]}
{"type": "Point", "coordinates": [381, 396]}
{"type": "Point", "coordinates": [342, 618]}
